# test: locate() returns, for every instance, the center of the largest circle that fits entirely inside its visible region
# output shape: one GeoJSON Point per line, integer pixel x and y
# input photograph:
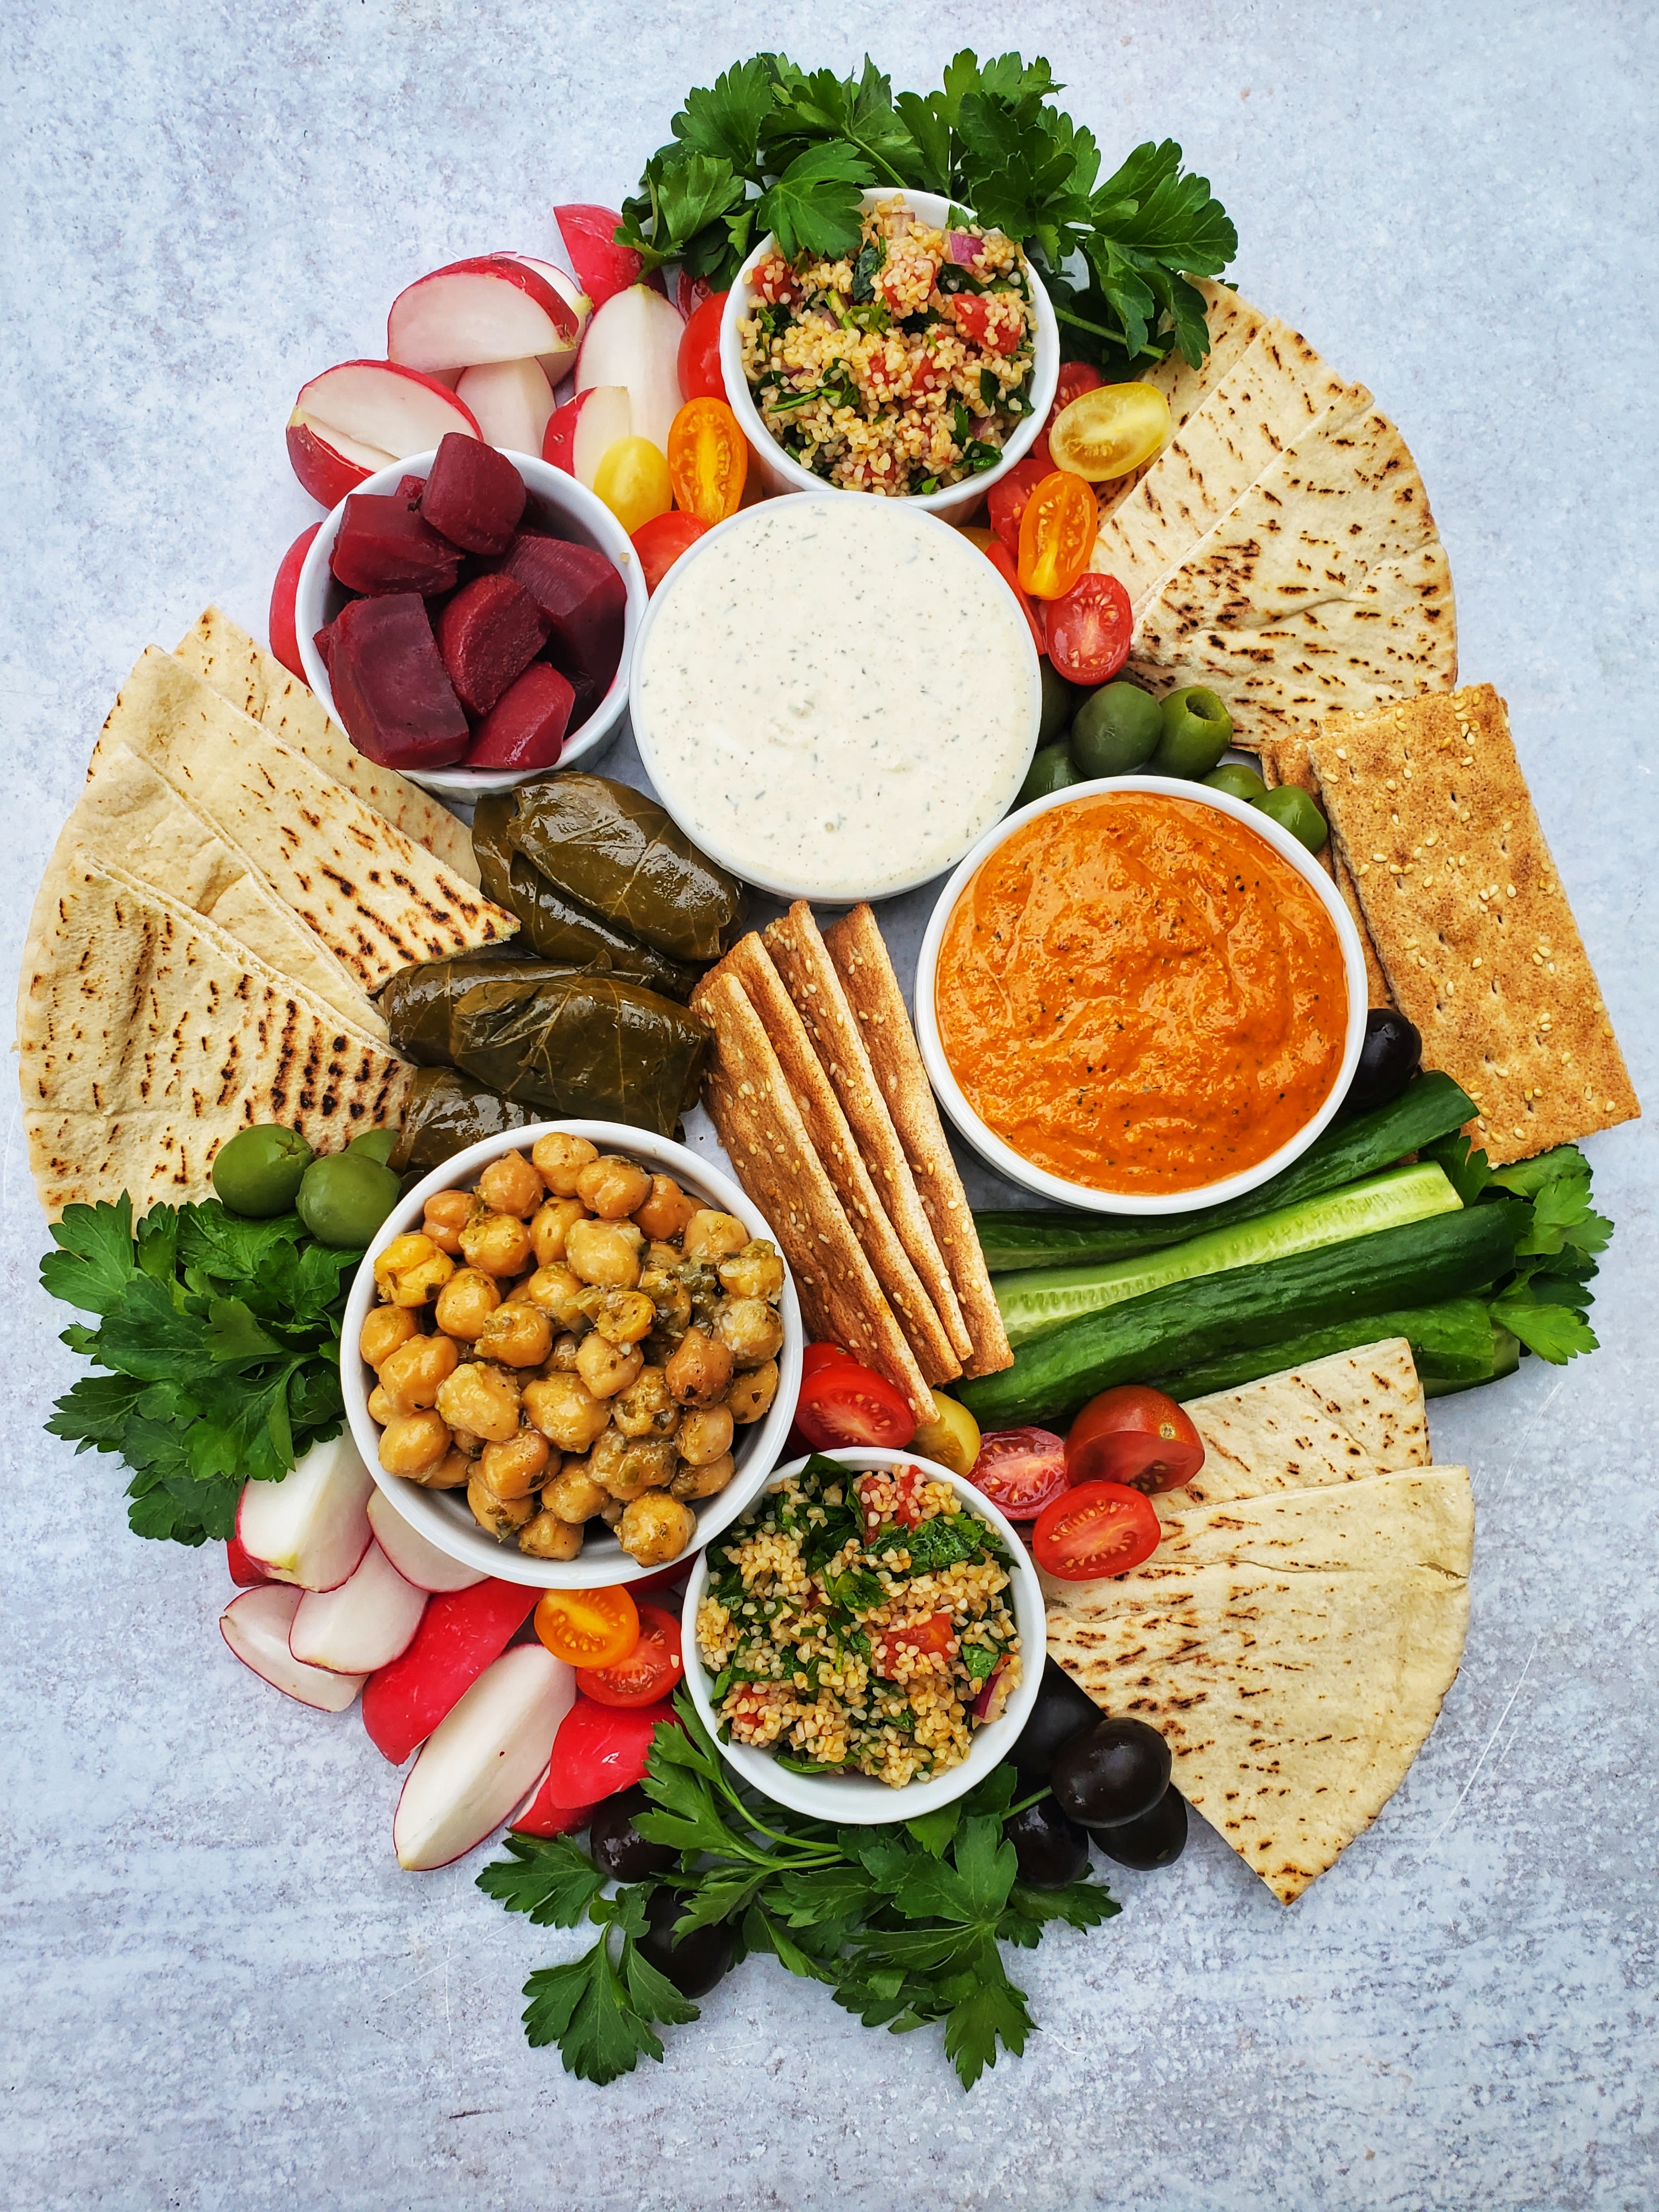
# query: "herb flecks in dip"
{"type": "Point", "coordinates": [1138, 993]}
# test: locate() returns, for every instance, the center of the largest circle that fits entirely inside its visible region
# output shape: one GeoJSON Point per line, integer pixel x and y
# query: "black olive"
{"type": "Point", "coordinates": [617, 1845]}
{"type": "Point", "coordinates": [1390, 1056]}
{"type": "Point", "coordinates": [1061, 1711]}
{"type": "Point", "coordinates": [1115, 1773]}
{"type": "Point", "coordinates": [698, 1960]}
{"type": "Point", "coordinates": [1052, 1850]}
{"type": "Point", "coordinates": [1156, 1839]}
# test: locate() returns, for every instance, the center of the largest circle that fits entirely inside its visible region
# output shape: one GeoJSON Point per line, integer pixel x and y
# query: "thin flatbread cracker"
{"type": "Point", "coordinates": [1435, 821]}
{"type": "Point", "coordinates": [856, 945]}
{"type": "Point", "coordinates": [1285, 760]}
{"type": "Point", "coordinates": [240, 670]}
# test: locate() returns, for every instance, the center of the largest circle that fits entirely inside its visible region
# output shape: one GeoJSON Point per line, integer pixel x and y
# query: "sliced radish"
{"type": "Point", "coordinates": [312, 1528]}
{"type": "Point", "coordinates": [491, 309]}
{"type": "Point", "coordinates": [581, 433]}
{"type": "Point", "coordinates": [280, 626]}
{"type": "Point", "coordinates": [416, 1559]}
{"type": "Point", "coordinates": [256, 1626]}
{"type": "Point", "coordinates": [602, 268]}
{"type": "Point", "coordinates": [461, 1631]}
{"type": "Point", "coordinates": [362, 415]}
{"type": "Point", "coordinates": [557, 366]}
{"type": "Point", "coordinates": [482, 1756]}
{"type": "Point", "coordinates": [541, 1814]}
{"type": "Point", "coordinates": [246, 1573]}
{"type": "Point", "coordinates": [634, 340]}
{"type": "Point", "coordinates": [512, 399]}
{"type": "Point", "coordinates": [363, 1624]}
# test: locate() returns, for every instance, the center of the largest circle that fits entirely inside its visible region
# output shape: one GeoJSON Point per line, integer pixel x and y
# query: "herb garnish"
{"type": "Point", "coordinates": [1558, 1237]}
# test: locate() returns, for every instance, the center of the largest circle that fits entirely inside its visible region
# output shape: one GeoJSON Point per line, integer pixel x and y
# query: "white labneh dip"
{"type": "Point", "coordinates": [835, 697]}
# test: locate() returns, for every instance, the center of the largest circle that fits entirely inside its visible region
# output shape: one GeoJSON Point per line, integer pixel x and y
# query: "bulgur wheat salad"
{"type": "Point", "coordinates": [902, 370]}
{"type": "Point", "coordinates": [858, 1624]}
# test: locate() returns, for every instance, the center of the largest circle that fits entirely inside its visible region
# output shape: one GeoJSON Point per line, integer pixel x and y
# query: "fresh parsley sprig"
{"type": "Point", "coordinates": [1558, 1238]}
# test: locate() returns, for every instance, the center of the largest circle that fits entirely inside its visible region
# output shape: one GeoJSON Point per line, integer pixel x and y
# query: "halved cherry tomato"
{"type": "Point", "coordinates": [846, 1404]}
{"type": "Point", "coordinates": [651, 1671]}
{"type": "Point", "coordinates": [1003, 561]}
{"type": "Point", "coordinates": [952, 1436]}
{"type": "Point", "coordinates": [821, 1355]}
{"type": "Point", "coordinates": [1004, 503]}
{"type": "Point", "coordinates": [1021, 1470]}
{"type": "Point", "coordinates": [1110, 431]}
{"type": "Point", "coordinates": [707, 461]}
{"type": "Point", "coordinates": [588, 1627]}
{"type": "Point", "coordinates": [660, 542]}
{"type": "Point", "coordinates": [1090, 629]}
{"type": "Point", "coordinates": [1057, 533]}
{"type": "Point", "coordinates": [931, 1635]}
{"type": "Point", "coordinates": [994, 320]}
{"type": "Point", "coordinates": [1136, 1436]}
{"type": "Point", "coordinates": [600, 1749]}
{"type": "Point", "coordinates": [632, 479]}
{"type": "Point", "coordinates": [1096, 1528]}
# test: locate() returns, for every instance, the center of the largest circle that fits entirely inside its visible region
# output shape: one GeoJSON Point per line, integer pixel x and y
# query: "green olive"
{"type": "Point", "coordinates": [1197, 731]}
{"type": "Point", "coordinates": [1059, 698]}
{"type": "Point", "coordinates": [345, 1198]}
{"type": "Point", "coordinates": [1237, 781]}
{"type": "Point", "coordinates": [376, 1145]}
{"type": "Point", "coordinates": [1051, 769]}
{"type": "Point", "coordinates": [1292, 809]}
{"type": "Point", "coordinates": [258, 1172]}
{"type": "Point", "coordinates": [1116, 731]}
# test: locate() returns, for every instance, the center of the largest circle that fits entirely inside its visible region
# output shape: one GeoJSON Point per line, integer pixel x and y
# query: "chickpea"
{"type": "Point", "coordinates": [412, 1442]}
{"type": "Point", "coordinates": [632, 1235]}
{"type": "Point", "coordinates": [573, 1494]}
{"type": "Point", "coordinates": [412, 1270]}
{"type": "Point", "coordinates": [452, 1472]}
{"type": "Point", "coordinates": [656, 1529]}
{"type": "Point", "coordinates": [550, 1537]}
{"type": "Point", "coordinates": [380, 1407]}
{"type": "Point", "coordinates": [560, 1159]}
{"type": "Point", "coordinates": [502, 1516]}
{"type": "Point", "coordinates": [607, 1368]}
{"type": "Point", "coordinates": [518, 1333]}
{"type": "Point", "coordinates": [385, 1328]}
{"type": "Point", "coordinates": [480, 1399]}
{"type": "Point", "coordinates": [752, 1392]}
{"type": "Point", "coordinates": [704, 1435]}
{"type": "Point", "coordinates": [750, 1330]}
{"type": "Point", "coordinates": [667, 1211]}
{"type": "Point", "coordinates": [412, 1377]}
{"type": "Point", "coordinates": [562, 1360]}
{"type": "Point", "coordinates": [514, 1468]}
{"type": "Point", "coordinates": [646, 1408]}
{"type": "Point", "coordinates": [599, 1252]}
{"type": "Point", "coordinates": [466, 1304]}
{"type": "Point", "coordinates": [611, 1511]}
{"type": "Point", "coordinates": [511, 1185]}
{"type": "Point", "coordinates": [703, 1481]}
{"type": "Point", "coordinates": [626, 1466]}
{"type": "Point", "coordinates": [497, 1243]}
{"type": "Point", "coordinates": [711, 1234]}
{"type": "Point", "coordinates": [623, 1317]}
{"type": "Point", "coordinates": [446, 1213]}
{"type": "Point", "coordinates": [566, 1410]}
{"type": "Point", "coordinates": [551, 1226]}
{"type": "Point", "coordinates": [613, 1186]}
{"type": "Point", "coordinates": [669, 1297]}
{"type": "Point", "coordinates": [660, 1255]}
{"type": "Point", "coordinates": [698, 1369]}
{"type": "Point", "coordinates": [556, 1291]}
{"type": "Point", "coordinates": [467, 1444]}
{"type": "Point", "coordinates": [756, 1271]}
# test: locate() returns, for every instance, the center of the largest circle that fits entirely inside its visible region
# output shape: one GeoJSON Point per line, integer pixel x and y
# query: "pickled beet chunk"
{"type": "Point", "coordinates": [525, 729]}
{"type": "Point", "coordinates": [474, 495]}
{"type": "Point", "coordinates": [410, 488]}
{"type": "Point", "coordinates": [583, 598]}
{"type": "Point", "coordinates": [488, 635]}
{"type": "Point", "coordinates": [391, 689]}
{"type": "Point", "coordinates": [382, 546]}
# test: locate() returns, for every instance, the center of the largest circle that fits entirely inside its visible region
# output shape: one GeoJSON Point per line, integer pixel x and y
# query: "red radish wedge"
{"type": "Point", "coordinates": [416, 1559]}
{"type": "Point", "coordinates": [491, 309]}
{"type": "Point", "coordinates": [284, 638]}
{"type": "Point", "coordinates": [556, 367]}
{"type": "Point", "coordinates": [312, 1528]}
{"type": "Point", "coordinates": [256, 1626]}
{"type": "Point", "coordinates": [246, 1573]}
{"type": "Point", "coordinates": [460, 1632]}
{"type": "Point", "coordinates": [512, 401]}
{"type": "Point", "coordinates": [541, 1814]}
{"type": "Point", "coordinates": [479, 1760]}
{"type": "Point", "coordinates": [361, 417]}
{"type": "Point", "coordinates": [580, 432]}
{"type": "Point", "coordinates": [634, 340]}
{"type": "Point", "coordinates": [602, 268]}
{"type": "Point", "coordinates": [365, 1624]}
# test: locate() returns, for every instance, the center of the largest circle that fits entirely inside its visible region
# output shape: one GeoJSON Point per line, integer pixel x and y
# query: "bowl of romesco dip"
{"type": "Point", "coordinates": [1140, 996]}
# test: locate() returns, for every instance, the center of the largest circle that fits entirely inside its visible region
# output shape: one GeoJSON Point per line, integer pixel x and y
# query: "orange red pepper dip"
{"type": "Point", "coordinates": [1139, 995]}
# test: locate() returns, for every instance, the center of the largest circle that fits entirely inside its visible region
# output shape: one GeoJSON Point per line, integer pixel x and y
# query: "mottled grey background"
{"type": "Point", "coordinates": [220, 1990]}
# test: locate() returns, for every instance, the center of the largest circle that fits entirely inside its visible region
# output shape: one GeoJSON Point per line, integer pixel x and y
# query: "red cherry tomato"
{"type": "Point", "coordinates": [1004, 503]}
{"type": "Point", "coordinates": [651, 1671]}
{"type": "Point", "coordinates": [846, 1404]}
{"type": "Point", "coordinates": [600, 1749]}
{"type": "Point", "coordinates": [994, 320]}
{"type": "Point", "coordinates": [1097, 1528]}
{"type": "Point", "coordinates": [908, 1483]}
{"type": "Point", "coordinates": [1089, 629]}
{"type": "Point", "coordinates": [1076, 377]}
{"type": "Point", "coordinates": [823, 1355]}
{"type": "Point", "coordinates": [1003, 561]}
{"type": "Point", "coordinates": [660, 542]}
{"type": "Point", "coordinates": [1021, 1470]}
{"type": "Point", "coordinates": [1135, 1436]}
{"type": "Point", "coordinates": [700, 350]}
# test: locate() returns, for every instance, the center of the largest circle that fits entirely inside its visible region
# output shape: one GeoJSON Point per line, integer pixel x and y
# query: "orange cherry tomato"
{"type": "Point", "coordinates": [699, 348]}
{"type": "Point", "coordinates": [1057, 533]}
{"type": "Point", "coordinates": [1003, 561]}
{"type": "Point", "coordinates": [660, 542]}
{"type": "Point", "coordinates": [707, 461]}
{"type": "Point", "coordinates": [588, 1627]}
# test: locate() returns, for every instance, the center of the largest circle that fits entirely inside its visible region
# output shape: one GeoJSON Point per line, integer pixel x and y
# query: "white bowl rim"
{"type": "Point", "coordinates": [1045, 373]}
{"type": "Point", "coordinates": [729, 857]}
{"type": "Point", "coordinates": [856, 1801]}
{"type": "Point", "coordinates": [1002, 1156]}
{"type": "Point", "coordinates": [594, 1566]}
{"type": "Point", "coordinates": [560, 489]}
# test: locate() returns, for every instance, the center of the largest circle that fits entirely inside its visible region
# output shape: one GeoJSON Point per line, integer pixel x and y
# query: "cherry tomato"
{"type": "Point", "coordinates": [931, 1635]}
{"type": "Point", "coordinates": [707, 461]}
{"type": "Point", "coordinates": [847, 1404]}
{"type": "Point", "coordinates": [1057, 533]}
{"type": "Point", "coordinates": [1021, 1470]}
{"type": "Point", "coordinates": [823, 1355]}
{"type": "Point", "coordinates": [600, 1749]}
{"type": "Point", "coordinates": [632, 479]}
{"type": "Point", "coordinates": [952, 1436]}
{"type": "Point", "coordinates": [660, 542]}
{"type": "Point", "coordinates": [1088, 631]}
{"type": "Point", "coordinates": [1076, 377]}
{"type": "Point", "coordinates": [1004, 503]}
{"type": "Point", "coordinates": [908, 1483]}
{"type": "Point", "coordinates": [1003, 561]}
{"type": "Point", "coordinates": [700, 350]}
{"type": "Point", "coordinates": [651, 1671]}
{"type": "Point", "coordinates": [994, 320]}
{"type": "Point", "coordinates": [1110, 431]}
{"type": "Point", "coordinates": [775, 280]}
{"type": "Point", "coordinates": [588, 1627]}
{"type": "Point", "coordinates": [1134, 1435]}
{"type": "Point", "coordinates": [1096, 1528]}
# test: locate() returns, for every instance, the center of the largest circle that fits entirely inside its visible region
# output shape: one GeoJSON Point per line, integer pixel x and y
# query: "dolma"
{"type": "Point", "coordinates": [446, 1112]}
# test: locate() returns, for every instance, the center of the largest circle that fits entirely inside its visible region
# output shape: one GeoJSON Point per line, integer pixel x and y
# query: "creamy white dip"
{"type": "Point", "coordinates": [835, 697]}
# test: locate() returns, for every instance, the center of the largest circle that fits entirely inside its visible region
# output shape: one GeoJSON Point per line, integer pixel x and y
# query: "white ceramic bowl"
{"type": "Point", "coordinates": [1002, 1157]}
{"type": "Point", "coordinates": [779, 471]}
{"type": "Point", "coordinates": [855, 1801]}
{"type": "Point", "coordinates": [560, 505]}
{"type": "Point", "coordinates": [442, 1516]}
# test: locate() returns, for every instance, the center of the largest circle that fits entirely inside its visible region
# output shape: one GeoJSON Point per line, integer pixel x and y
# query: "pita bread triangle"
{"type": "Point", "coordinates": [1233, 322]}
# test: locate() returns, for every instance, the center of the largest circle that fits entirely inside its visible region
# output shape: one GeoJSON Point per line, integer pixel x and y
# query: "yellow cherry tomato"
{"type": "Point", "coordinates": [978, 536]}
{"type": "Point", "coordinates": [952, 1436]}
{"type": "Point", "coordinates": [707, 461]}
{"type": "Point", "coordinates": [632, 479]}
{"type": "Point", "coordinates": [1111, 431]}
{"type": "Point", "coordinates": [1057, 534]}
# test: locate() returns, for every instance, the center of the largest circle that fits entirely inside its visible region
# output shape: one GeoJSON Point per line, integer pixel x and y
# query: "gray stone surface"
{"type": "Point", "coordinates": [219, 1989]}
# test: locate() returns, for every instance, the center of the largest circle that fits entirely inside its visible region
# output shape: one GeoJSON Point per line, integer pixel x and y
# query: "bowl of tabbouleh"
{"type": "Point", "coordinates": [866, 1642]}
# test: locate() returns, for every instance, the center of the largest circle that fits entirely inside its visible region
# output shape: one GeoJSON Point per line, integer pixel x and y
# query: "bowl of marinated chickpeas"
{"type": "Point", "coordinates": [571, 1355]}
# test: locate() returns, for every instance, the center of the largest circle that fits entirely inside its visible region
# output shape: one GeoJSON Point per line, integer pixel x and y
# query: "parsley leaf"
{"type": "Point", "coordinates": [813, 207]}
{"type": "Point", "coordinates": [546, 1877]}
